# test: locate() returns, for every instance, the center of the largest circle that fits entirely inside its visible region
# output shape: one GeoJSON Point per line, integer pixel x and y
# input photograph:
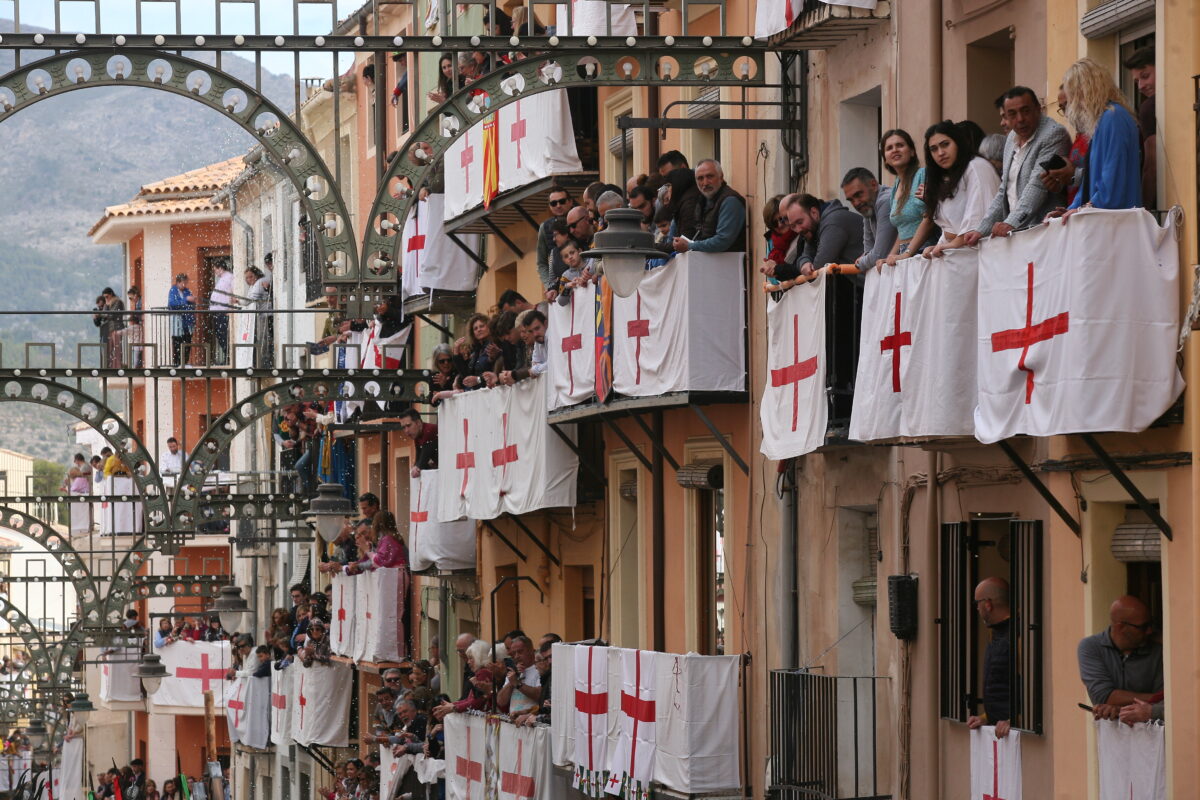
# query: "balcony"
{"type": "Point", "coordinates": [818, 25]}
{"type": "Point", "coordinates": [824, 740]}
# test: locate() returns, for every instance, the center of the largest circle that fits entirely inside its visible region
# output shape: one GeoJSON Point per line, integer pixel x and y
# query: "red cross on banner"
{"type": "Point", "coordinates": [507, 453]}
{"type": "Point", "coordinates": [894, 342]}
{"type": "Point", "coordinates": [591, 703]}
{"type": "Point", "coordinates": [465, 160]}
{"type": "Point", "coordinates": [204, 674]}
{"type": "Point", "coordinates": [515, 783]}
{"type": "Point", "coordinates": [417, 516]}
{"type": "Point", "coordinates": [278, 701]}
{"type": "Point", "coordinates": [466, 459]}
{"type": "Point", "coordinates": [517, 133]}
{"type": "Point", "coordinates": [341, 615]}
{"type": "Point", "coordinates": [637, 329]}
{"type": "Point", "coordinates": [995, 795]}
{"type": "Point", "coordinates": [416, 243]}
{"type": "Point", "coordinates": [1029, 335]}
{"type": "Point", "coordinates": [303, 701]}
{"type": "Point", "coordinates": [570, 343]}
{"type": "Point", "coordinates": [795, 372]}
{"type": "Point", "coordinates": [638, 709]}
{"type": "Point", "coordinates": [237, 705]}
{"type": "Point", "coordinates": [466, 768]}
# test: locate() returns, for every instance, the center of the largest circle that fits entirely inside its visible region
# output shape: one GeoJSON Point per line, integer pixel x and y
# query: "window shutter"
{"type": "Point", "coordinates": [1026, 597]}
{"type": "Point", "coordinates": [954, 633]}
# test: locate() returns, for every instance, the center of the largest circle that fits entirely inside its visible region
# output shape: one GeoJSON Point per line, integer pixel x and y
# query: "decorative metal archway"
{"type": "Point", "coordinates": [281, 140]}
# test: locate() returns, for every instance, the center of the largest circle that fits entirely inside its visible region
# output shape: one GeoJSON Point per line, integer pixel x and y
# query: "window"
{"type": "Point", "coordinates": [990, 73]}
{"type": "Point", "coordinates": [987, 546]}
{"type": "Point", "coordinates": [711, 565]}
{"type": "Point", "coordinates": [624, 560]}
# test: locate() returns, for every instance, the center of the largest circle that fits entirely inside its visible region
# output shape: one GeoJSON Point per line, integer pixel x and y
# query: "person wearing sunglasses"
{"type": "Point", "coordinates": [1122, 666]}
{"type": "Point", "coordinates": [549, 262]}
{"type": "Point", "coordinates": [444, 369]}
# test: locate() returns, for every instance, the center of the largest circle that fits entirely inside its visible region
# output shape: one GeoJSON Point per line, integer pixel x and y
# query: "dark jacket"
{"type": "Point", "coordinates": [839, 240]}
{"type": "Point", "coordinates": [710, 212]}
{"type": "Point", "coordinates": [997, 686]}
{"type": "Point", "coordinates": [684, 206]}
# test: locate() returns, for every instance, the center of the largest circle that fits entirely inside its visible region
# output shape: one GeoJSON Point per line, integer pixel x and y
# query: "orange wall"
{"type": "Point", "coordinates": [137, 250]}
{"type": "Point", "coordinates": [194, 400]}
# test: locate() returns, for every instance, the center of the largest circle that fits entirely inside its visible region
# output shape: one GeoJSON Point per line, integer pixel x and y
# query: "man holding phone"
{"type": "Point", "coordinates": [522, 690]}
{"type": "Point", "coordinates": [1035, 143]}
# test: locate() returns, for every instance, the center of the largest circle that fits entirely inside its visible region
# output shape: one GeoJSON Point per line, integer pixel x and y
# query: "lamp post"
{"type": "Point", "coordinates": [328, 510]}
{"type": "Point", "coordinates": [230, 607]}
{"type": "Point", "coordinates": [150, 671]}
{"type": "Point", "coordinates": [624, 248]}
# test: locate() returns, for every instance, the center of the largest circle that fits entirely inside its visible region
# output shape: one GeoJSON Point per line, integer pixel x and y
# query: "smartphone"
{"type": "Point", "coordinates": [1054, 162]}
{"type": "Point", "coordinates": [1085, 707]}
{"type": "Point", "coordinates": [510, 664]}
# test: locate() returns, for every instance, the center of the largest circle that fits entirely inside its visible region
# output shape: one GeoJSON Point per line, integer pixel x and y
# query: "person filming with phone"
{"type": "Point", "coordinates": [522, 689]}
{"type": "Point", "coordinates": [1035, 144]}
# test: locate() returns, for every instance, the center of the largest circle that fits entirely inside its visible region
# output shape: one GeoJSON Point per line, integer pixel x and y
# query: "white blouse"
{"type": "Point", "coordinates": [966, 209]}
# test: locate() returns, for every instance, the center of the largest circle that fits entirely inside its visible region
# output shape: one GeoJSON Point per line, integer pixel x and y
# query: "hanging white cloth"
{"type": "Point", "coordinates": [321, 708]}
{"type": "Point", "coordinates": [343, 614]}
{"type": "Point", "coordinates": [282, 700]}
{"type": "Point", "coordinates": [794, 411]}
{"type": "Point", "coordinates": [433, 544]}
{"type": "Point", "coordinates": [194, 667]}
{"type": "Point", "coordinates": [571, 349]}
{"type": "Point", "coordinates": [995, 764]}
{"type": "Point", "coordinates": [1132, 760]}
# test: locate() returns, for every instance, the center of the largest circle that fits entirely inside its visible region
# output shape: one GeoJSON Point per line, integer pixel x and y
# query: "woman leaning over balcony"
{"type": "Point", "coordinates": [959, 186]}
{"type": "Point", "coordinates": [1112, 174]}
{"type": "Point", "coordinates": [481, 354]}
{"type": "Point", "coordinates": [899, 155]}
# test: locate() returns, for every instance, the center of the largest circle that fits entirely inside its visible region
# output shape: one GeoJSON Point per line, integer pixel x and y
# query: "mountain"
{"type": "Point", "coordinates": [64, 160]}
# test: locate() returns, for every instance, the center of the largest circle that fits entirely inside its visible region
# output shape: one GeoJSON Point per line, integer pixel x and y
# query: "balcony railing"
{"type": "Point", "coordinates": [824, 739]}
{"type": "Point", "coordinates": [820, 25]}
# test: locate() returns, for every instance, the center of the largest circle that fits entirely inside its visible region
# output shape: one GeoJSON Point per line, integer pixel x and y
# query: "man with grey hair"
{"type": "Point", "coordinates": [606, 203]}
{"type": "Point", "coordinates": [409, 735]}
{"type": "Point", "coordinates": [461, 644]}
{"type": "Point", "coordinates": [722, 214]}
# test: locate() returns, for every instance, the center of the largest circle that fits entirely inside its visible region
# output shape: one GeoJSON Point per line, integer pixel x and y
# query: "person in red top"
{"type": "Point", "coordinates": [424, 436]}
{"type": "Point", "coordinates": [777, 232]}
{"type": "Point", "coordinates": [478, 699]}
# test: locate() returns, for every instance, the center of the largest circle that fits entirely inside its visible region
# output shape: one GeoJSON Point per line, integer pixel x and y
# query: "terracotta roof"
{"type": "Point", "coordinates": [182, 194]}
{"type": "Point", "coordinates": [205, 179]}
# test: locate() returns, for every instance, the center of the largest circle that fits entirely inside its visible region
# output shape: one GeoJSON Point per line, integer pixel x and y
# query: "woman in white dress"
{"type": "Point", "coordinates": [959, 185]}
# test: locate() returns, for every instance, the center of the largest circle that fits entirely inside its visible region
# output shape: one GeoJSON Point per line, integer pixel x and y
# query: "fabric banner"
{"type": "Point", "coordinates": [68, 778]}
{"type": "Point", "coordinates": [590, 707]}
{"type": "Point", "coordinates": [697, 695]}
{"type": "Point", "coordinates": [383, 352]}
{"type": "Point", "coordinates": [343, 616]}
{"type": "Point", "coordinates": [1078, 325]}
{"type": "Point", "coordinates": [117, 681]}
{"type": "Point", "coordinates": [195, 668]}
{"type": "Point", "coordinates": [995, 764]}
{"type": "Point", "coordinates": [562, 705]}
{"type": "Point", "coordinates": [392, 769]}
{"type": "Point", "coordinates": [432, 544]}
{"type": "Point", "coordinates": [506, 460]}
{"type": "Point", "coordinates": [570, 355]}
{"type": "Point", "coordinates": [916, 371]}
{"type": "Point", "coordinates": [282, 701]}
{"type": "Point", "coordinates": [795, 373]}
{"type": "Point", "coordinates": [524, 760]}
{"type": "Point", "coordinates": [241, 339]}
{"type": "Point", "coordinates": [362, 602]}
{"type": "Point", "coordinates": [1132, 760]}
{"type": "Point", "coordinates": [631, 761]}
{"type": "Point", "coordinates": [683, 329]}
{"type": "Point", "coordinates": [321, 708]}
{"type": "Point", "coordinates": [590, 18]}
{"type": "Point", "coordinates": [118, 517]}
{"type": "Point", "coordinates": [430, 259]}
{"type": "Point", "coordinates": [248, 710]}
{"type": "Point", "coordinates": [535, 138]}
{"type": "Point", "coordinates": [774, 16]}
{"type": "Point", "coordinates": [384, 614]}
{"type": "Point", "coordinates": [465, 756]}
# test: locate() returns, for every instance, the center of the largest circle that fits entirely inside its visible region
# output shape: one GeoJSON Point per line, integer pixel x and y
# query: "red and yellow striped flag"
{"type": "Point", "coordinates": [491, 160]}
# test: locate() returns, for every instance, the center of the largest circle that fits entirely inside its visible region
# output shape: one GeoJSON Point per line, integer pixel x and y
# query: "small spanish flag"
{"type": "Point", "coordinates": [491, 160]}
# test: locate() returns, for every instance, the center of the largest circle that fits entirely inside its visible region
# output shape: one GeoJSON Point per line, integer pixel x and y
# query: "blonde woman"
{"type": "Point", "coordinates": [1112, 176]}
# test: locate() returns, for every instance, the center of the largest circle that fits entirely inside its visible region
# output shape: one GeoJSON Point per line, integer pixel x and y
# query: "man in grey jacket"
{"type": "Point", "coordinates": [1033, 139]}
{"type": "Point", "coordinates": [833, 234]}
{"type": "Point", "coordinates": [874, 202]}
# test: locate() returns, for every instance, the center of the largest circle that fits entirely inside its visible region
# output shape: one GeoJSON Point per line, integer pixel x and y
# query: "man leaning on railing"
{"type": "Point", "coordinates": [722, 214]}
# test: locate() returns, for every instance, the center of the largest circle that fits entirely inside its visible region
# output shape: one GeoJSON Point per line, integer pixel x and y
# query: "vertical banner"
{"type": "Point", "coordinates": [590, 711]}
{"type": "Point", "coordinates": [194, 668]}
{"type": "Point", "coordinates": [524, 760]}
{"type": "Point", "coordinates": [995, 764]}
{"type": "Point", "coordinates": [570, 354]}
{"type": "Point", "coordinates": [794, 411]}
{"type": "Point", "coordinates": [282, 700]}
{"type": "Point", "coordinates": [248, 710]}
{"type": "Point", "coordinates": [343, 615]}
{"type": "Point", "coordinates": [321, 709]}
{"type": "Point", "coordinates": [491, 160]}
{"type": "Point", "coordinates": [433, 544]}
{"type": "Point", "coordinates": [465, 757]}
{"type": "Point", "coordinates": [1132, 760]}
{"type": "Point", "coordinates": [68, 779]}
{"type": "Point", "coordinates": [631, 766]}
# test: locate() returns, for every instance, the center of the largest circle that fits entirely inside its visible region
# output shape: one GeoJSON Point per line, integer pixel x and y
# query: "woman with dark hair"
{"type": "Point", "coordinates": [445, 79]}
{"type": "Point", "coordinates": [682, 201]}
{"type": "Point", "coordinates": [959, 185]}
{"type": "Point", "coordinates": [482, 354]}
{"type": "Point", "coordinates": [899, 155]}
{"type": "Point", "coordinates": [975, 134]}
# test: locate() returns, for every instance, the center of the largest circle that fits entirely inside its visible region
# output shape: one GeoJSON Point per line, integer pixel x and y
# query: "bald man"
{"type": "Point", "coordinates": [1122, 666]}
{"type": "Point", "coordinates": [461, 644]}
{"type": "Point", "coordinates": [992, 603]}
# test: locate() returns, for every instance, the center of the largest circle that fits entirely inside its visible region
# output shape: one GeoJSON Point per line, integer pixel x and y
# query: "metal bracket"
{"type": "Point", "coordinates": [655, 443]}
{"type": "Point", "coordinates": [500, 235]}
{"type": "Point", "coordinates": [487, 523]}
{"type": "Point", "coordinates": [1148, 508]}
{"type": "Point", "coordinates": [629, 443]}
{"type": "Point", "coordinates": [471, 254]}
{"type": "Point", "coordinates": [595, 473]}
{"type": "Point", "coordinates": [424, 318]}
{"type": "Point", "coordinates": [708, 423]}
{"type": "Point", "coordinates": [540, 544]}
{"type": "Point", "coordinates": [323, 761]}
{"type": "Point", "coordinates": [1041, 487]}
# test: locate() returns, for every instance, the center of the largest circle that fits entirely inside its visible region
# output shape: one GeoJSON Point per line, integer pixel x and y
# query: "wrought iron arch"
{"type": "Point", "coordinates": [450, 121]}
{"type": "Point", "coordinates": [348, 386]}
{"type": "Point", "coordinates": [87, 590]}
{"type": "Point", "coordinates": [56, 671]}
{"type": "Point", "coordinates": [282, 141]}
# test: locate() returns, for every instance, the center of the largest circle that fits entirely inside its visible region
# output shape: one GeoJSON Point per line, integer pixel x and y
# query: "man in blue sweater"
{"type": "Point", "coordinates": [722, 214]}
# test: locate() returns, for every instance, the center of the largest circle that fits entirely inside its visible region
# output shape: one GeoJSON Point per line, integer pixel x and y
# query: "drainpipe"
{"type": "Point", "coordinates": [658, 533]}
{"type": "Point", "coordinates": [788, 577]}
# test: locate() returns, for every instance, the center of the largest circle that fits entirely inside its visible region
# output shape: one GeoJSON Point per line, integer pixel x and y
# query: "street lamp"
{"type": "Point", "coordinates": [81, 706]}
{"type": "Point", "coordinates": [230, 607]}
{"type": "Point", "coordinates": [624, 247]}
{"type": "Point", "coordinates": [36, 732]}
{"type": "Point", "coordinates": [150, 671]}
{"type": "Point", "coordinates": [328, 510]}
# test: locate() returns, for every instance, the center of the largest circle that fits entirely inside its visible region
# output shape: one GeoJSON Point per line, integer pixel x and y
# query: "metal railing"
{"type": "Point", "coordinates": [824, 739]}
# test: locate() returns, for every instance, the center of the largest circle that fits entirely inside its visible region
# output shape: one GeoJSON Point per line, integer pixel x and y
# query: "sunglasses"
{"type": "Point", "coordinates": [562, 202]}
{"type": "Point", "coordinates": [442, 361]}
{"type": "Point", "coordinates": [389, 680]}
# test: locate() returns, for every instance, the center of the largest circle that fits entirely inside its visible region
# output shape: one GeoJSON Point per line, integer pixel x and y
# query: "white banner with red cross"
{"type": "Point", "coordinates": [524, 760]}
{"type": "Point", "coordinates": [68, 778]}
{"type": "Point", "coordinates": [1078, 326]}
{"type": "Point", "coordinates": [343, 614]}
{"type": "Point", "coordinates": [683, 329]}
{"type": "Point", "coordinates": [384, 613]}
{"type": "Point", "coordinates": [995, 765]}
{"type": "Point", "coordinates": [571, 349]}
{"type": "Point", "coordinates": [248, 710]}
{"type": "Point", "coordinates": [383, 352]}
{"type": "Point", "coordinates": [794, 411]}
{"type": "Point", "coordinates": [117, 681]}
{"type": "Point", "coordinates": [631, 761]}
{"type": "Point", "coordinates": [590, 18]}
{"type": "Point", "coordinates": [465, 756]}
{"type": "Point", "coordinates": [430, 259]}
{"type": "Point", "coordinates": [432, 544]}
{"type": "Point", "coordinates": [321, 703]}
{"type": "Point", "coordinates": [916, 369]}
{"type": "Point", "coordinates": [194, 668]}
{"type": "Point", "coordinates": [586, 713]}
{"type": "Point", "coordinates": [505, 458]}
{"type": "Point", "coordinates": [1132, 760]}
{"type": "Point", "coordinates": [536, 140]}
{"type": "Point", "coordinates": [283, 698]}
